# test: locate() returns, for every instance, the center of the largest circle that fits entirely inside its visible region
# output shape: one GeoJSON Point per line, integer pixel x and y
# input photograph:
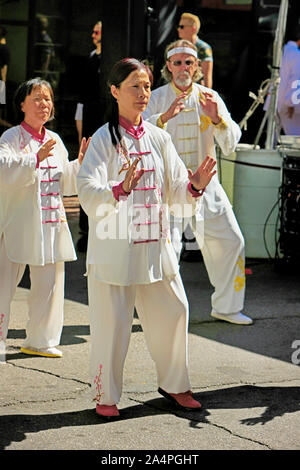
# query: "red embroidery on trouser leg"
{"type": "Point", "coordinates": [2, 315]}
{"type": "Point", "coordinates": [98, 384]}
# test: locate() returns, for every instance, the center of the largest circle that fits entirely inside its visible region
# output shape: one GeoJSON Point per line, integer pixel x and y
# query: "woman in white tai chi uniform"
{"type": "Point", "coordinates": [130, 260]}
{"type": "Point", "coordinates": [35, 173]}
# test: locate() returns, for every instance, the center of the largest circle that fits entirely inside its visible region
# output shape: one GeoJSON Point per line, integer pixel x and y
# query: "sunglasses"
{"type": "Point", "coordinates": [182, 26]}
{"type": "Point", "coordinates": [96, 32]}
{"type": "Point", "coordinates": [178, 63]}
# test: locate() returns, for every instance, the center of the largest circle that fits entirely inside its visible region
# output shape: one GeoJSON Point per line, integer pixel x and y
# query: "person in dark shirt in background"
{"type": "Point", "coordinates": [188, 28]}
{"type": "Point", "coordinates": [44, 48]}
{"type": "Point", "coordinates": [90, 111]}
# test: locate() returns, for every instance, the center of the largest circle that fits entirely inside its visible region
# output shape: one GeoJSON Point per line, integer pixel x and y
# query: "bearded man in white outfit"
{"type": "Point", "coordinates": [195, 116]}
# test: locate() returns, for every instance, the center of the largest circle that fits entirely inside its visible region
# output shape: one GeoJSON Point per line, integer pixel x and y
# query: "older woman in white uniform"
{"type": "Point", "coordinates": [35, 173]}
{"type": "Point", "coordinates": [130, 174]}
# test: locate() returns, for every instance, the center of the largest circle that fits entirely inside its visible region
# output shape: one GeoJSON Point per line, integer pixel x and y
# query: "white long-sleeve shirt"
{"type": "Point", "coordinates": [194, 135]}
{"type": "Point", "coordinates": [32, 217]}
{"type": "Point", "coordinates": [289, 88]}
{"type": "Point", "coordinates": [289, 76]}
{"type": "Point", "coordinates": [129, 239]}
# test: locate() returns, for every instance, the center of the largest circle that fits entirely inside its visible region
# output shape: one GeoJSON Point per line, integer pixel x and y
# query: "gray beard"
{"type": "Point", "coordinates": [184, 80]}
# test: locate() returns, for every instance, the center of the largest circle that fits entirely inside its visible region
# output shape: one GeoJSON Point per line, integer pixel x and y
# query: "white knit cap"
{"type": "Point", "coordinates": [182, 50]}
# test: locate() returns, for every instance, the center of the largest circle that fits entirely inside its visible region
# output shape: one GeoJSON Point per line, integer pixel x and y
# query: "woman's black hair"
{"type": "Point", "coordinates": [24, 90]}
{"type": "Point", "coordinates": [120, 71]}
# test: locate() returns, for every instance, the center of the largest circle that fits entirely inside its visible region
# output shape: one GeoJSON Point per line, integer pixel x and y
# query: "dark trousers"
{"type": "Point", "coordinates": [83, 223]}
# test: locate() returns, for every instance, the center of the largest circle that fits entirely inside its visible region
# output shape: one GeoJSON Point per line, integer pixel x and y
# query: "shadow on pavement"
{"type": "Point", "coordinates": [277, 401]}
{"type": "Point", "coordinates": [71, 334]}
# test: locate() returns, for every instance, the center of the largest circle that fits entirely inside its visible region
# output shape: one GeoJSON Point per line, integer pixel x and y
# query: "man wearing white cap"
{"type": "Point", "coordinates": [195, 116]}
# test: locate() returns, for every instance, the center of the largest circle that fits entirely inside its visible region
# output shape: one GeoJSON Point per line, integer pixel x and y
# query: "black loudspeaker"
{"type": "Point", "coordinates": [289, 213]}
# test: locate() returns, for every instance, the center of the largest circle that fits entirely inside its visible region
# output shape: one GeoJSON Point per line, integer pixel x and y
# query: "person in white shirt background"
{"type": "Point", "coordinates": [196, 116]}
{"type": "Point", "coordinates": [288, 105]}
{"type": "Point", "coordinates": [35, 173]}
{"type": "Point", "coordinates": [4, 63]}
{"type": "Point", "coordinates": [130, 175]}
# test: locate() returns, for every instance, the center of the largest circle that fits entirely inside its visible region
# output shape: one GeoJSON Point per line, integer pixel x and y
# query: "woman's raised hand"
{"type": "Point", "coordinates": [46, 149]}
{"type": "Point", "coordinates": [203, 174]}
{"type": "Point", "coordinates": [83, 148]}
{"type": "Point", "coordinates": [132, 176]}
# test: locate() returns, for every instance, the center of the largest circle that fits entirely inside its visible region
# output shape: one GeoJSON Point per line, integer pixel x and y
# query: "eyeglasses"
{"type": "Point", "coordinates": [96, 32]}
{"type": "Point", "coordinates": [186, 62]}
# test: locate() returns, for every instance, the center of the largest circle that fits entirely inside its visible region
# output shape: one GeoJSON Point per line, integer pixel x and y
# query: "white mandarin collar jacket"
{"type": "Point", "coordinates": [194, 135]}
{"type": "Point", "coordinates": [20, 198]}
{"type": "Point", "coordinates": [120, 257]}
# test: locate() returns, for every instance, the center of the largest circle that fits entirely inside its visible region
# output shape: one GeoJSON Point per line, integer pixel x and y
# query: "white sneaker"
{"type": "Point", "coordinates": [238, 318]}
{"type": "Point", "coordinates": [47, 352]}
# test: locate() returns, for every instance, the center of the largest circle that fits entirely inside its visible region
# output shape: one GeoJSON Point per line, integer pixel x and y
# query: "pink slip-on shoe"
{"type": "Point", "coordinates": [108, 411]}
{"type": "Point", "coordinates": [184, 400]}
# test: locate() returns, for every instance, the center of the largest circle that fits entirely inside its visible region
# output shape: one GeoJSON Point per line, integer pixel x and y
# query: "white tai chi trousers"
{"type": "Point", "coordinates": [45, 300]}
{"type": "Point", "coordinates": [163, 311]}
{"type": "Point", "coordinates": [223, 248]}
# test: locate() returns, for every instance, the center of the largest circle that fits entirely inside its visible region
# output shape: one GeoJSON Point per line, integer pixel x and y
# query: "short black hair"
{"type": "Point", "coordinates": [25, 89]}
